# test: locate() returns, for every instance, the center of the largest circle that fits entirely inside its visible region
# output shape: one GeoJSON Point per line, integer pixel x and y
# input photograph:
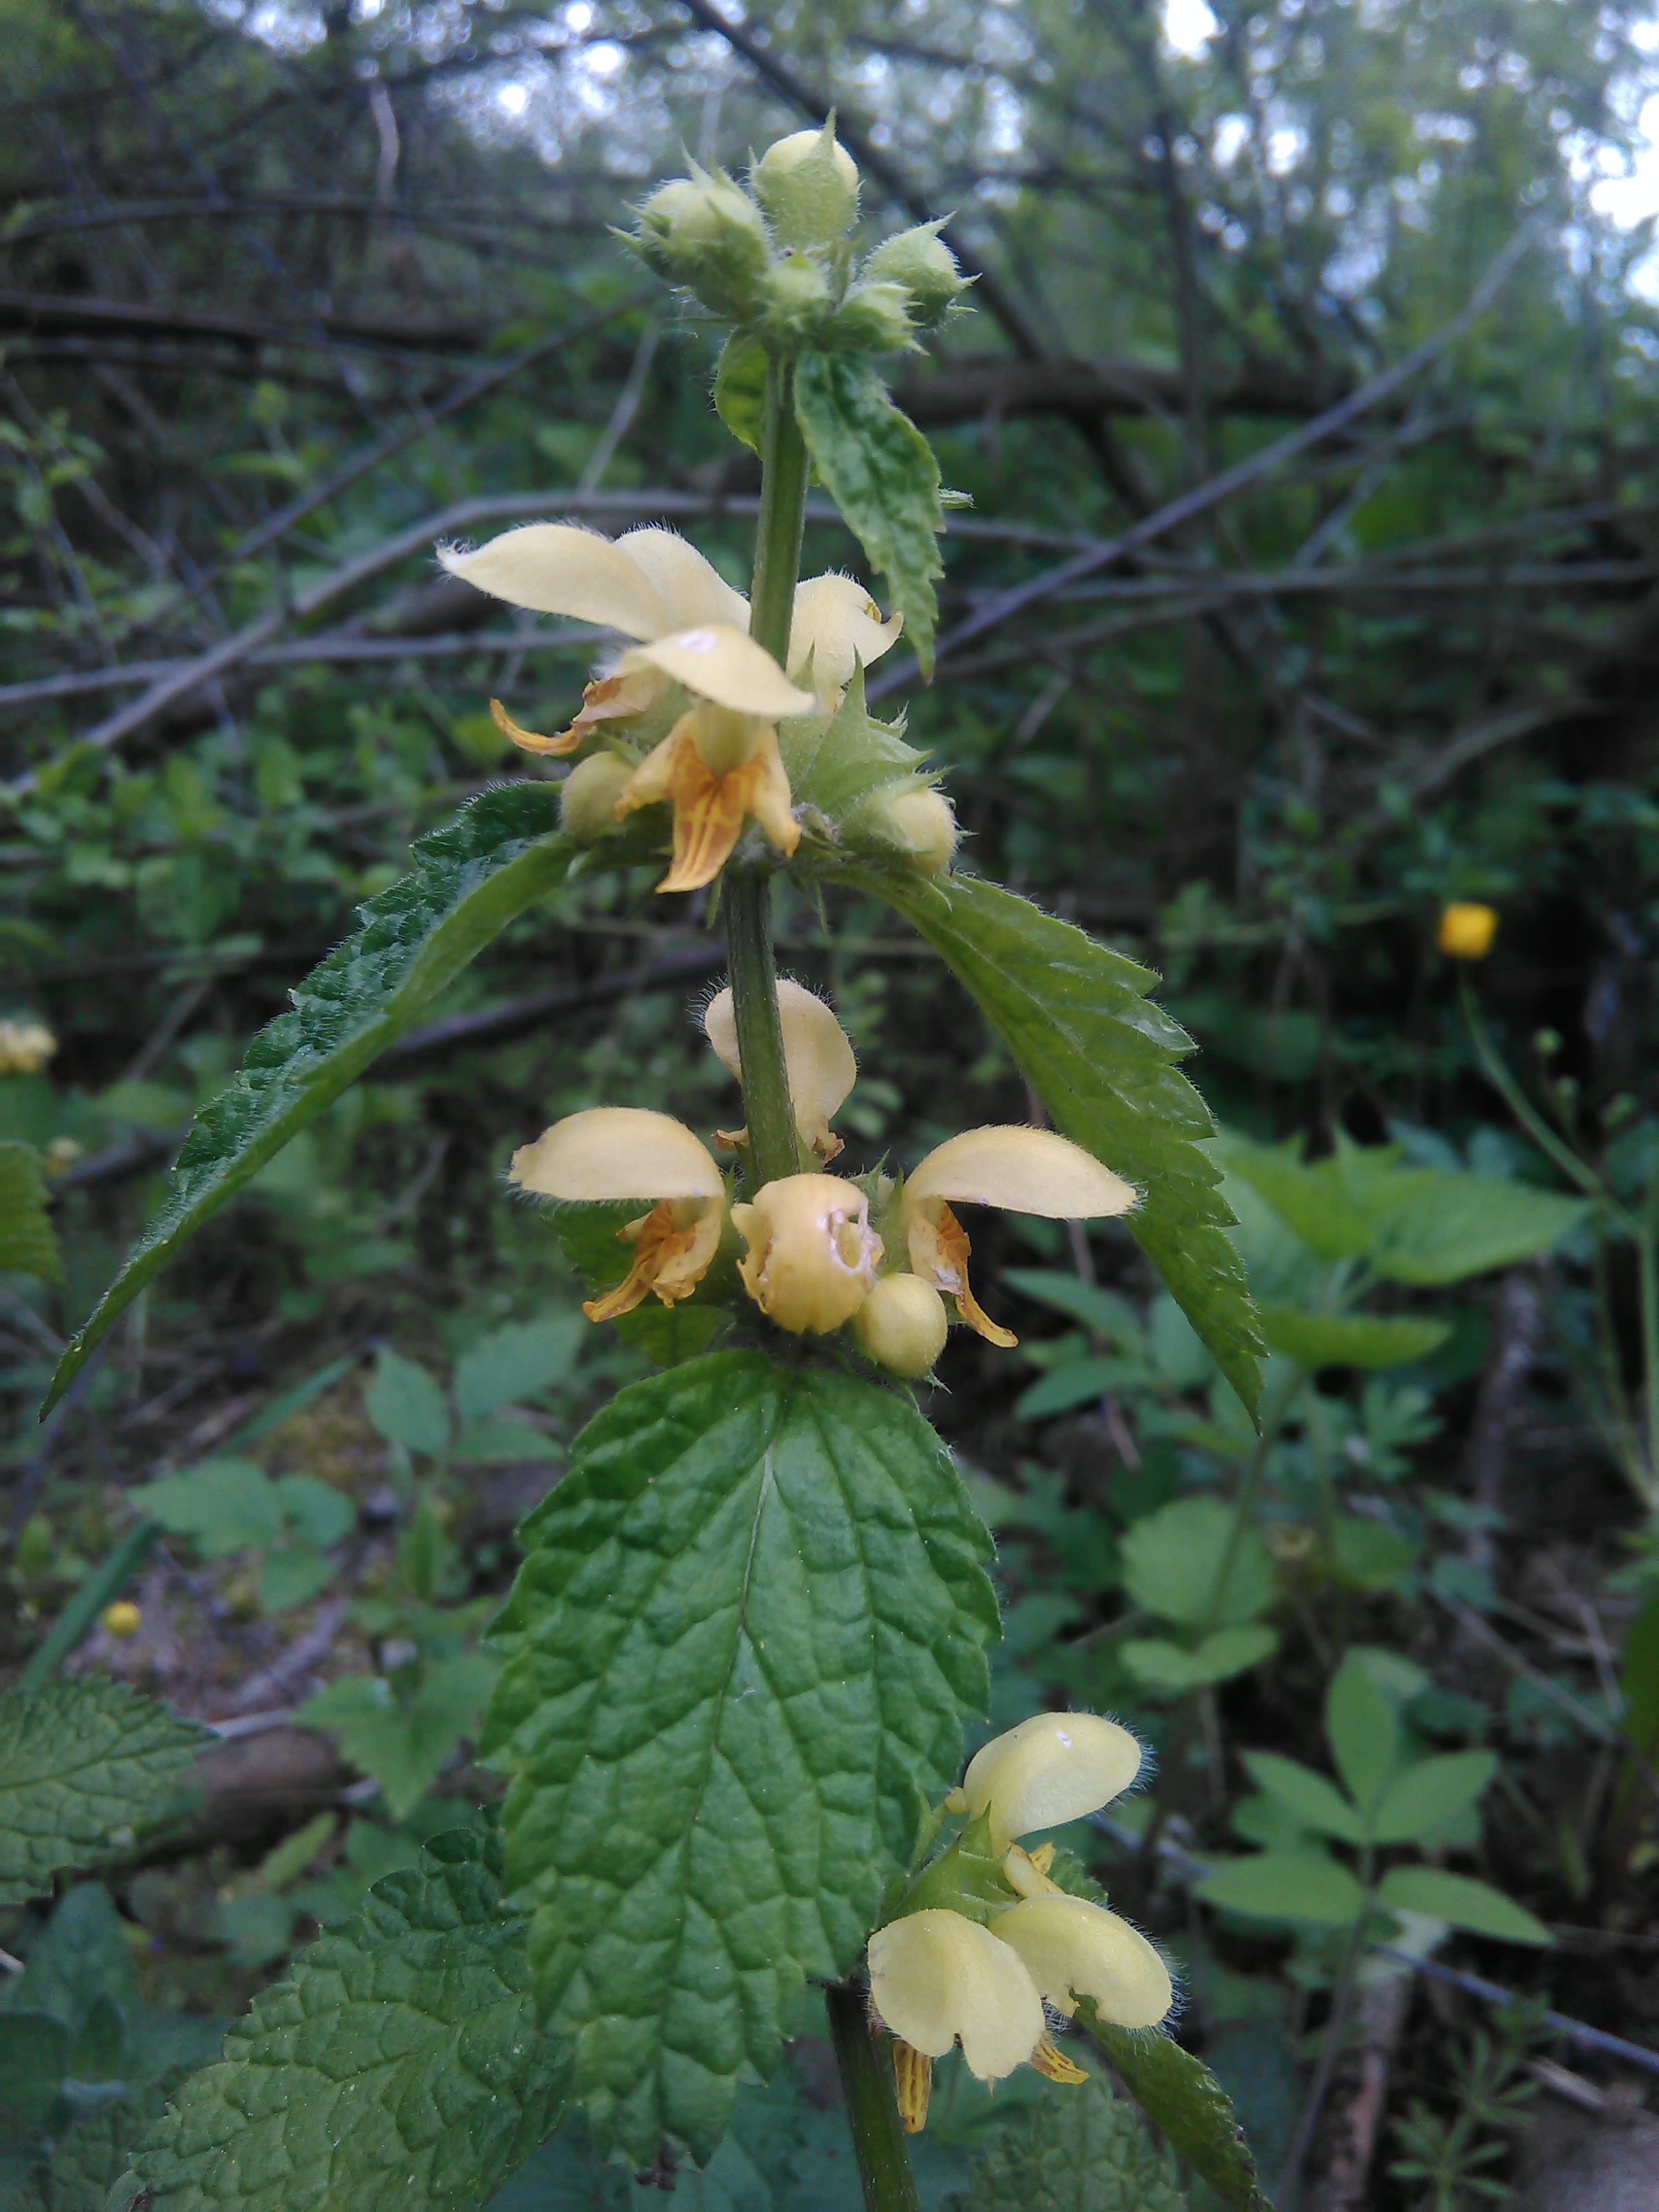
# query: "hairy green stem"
{"type": "Point", "coordinates": [866, 2084]}
{"type": "Point", "coordinates": [774, 1145]}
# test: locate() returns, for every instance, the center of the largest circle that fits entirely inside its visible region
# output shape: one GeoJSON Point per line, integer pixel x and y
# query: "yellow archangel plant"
{"type": "Point", "coordinates": [984, 1946]}
{"type": "Point", "coordinates": [814, 1261]}
{"type": "Point", "coordinates": [720, 764]}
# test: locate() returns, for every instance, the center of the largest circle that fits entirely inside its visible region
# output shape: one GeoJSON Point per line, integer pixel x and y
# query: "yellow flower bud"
{"type": "Point", "coordinates": [902, 1325]}
{"type": "Point", "coordinates": [1467, 930]}
{"type": "Point", "coordinates": [122, 1618]}
{"type": "Point", "coordinates": [926, 825]}
{"type": "Point", "coordinates": [812, 1253]}
{"type": "Point", "coordinates": [796, 295]}
{"type": "Point", "coordinates": [873, 317]}
{"type": "Point", "coordinates": [809, 186]}
{"type": "Point", "coordinates": [702, 232]}
{"type": "Point", "coordinates": [588, 796]}
{"type": "Point", "coordinates": [925, 266]}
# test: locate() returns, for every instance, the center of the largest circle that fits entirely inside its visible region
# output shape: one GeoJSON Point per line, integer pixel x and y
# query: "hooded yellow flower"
{"type": "Point", "coordinates": [1021, 1170]}
{"type": "Point", "coordinates": [611, 1152]}
{"type": "Point", "coordinates": [719, 763]}
{"type": "Point", "coordinates": [812, 1253]}
{"type": "Point", "coordinates": [940, 1976]}
{"type": "Point", "coordinates": [817, 1057]}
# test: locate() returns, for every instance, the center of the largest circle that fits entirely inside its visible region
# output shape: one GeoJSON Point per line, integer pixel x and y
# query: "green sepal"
{"type": "Point", "coordinates": [503, 852]}
{"type": "Point", "coordinates": [740, 388]}
{"type": "Point", "coordinates": [751, 1622]}
{"type": "Point", "coordinates": [881, 473]}
{"type": "Point", "coordinates": [1076, 1018]}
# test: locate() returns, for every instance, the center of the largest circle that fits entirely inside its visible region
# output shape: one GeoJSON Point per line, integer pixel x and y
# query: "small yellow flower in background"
{"type": "Point", "coordinates": [817, 1057]}
{"type": "Point", "coordinates": [982, 1977]}
{"type": "Point", "coordinates": [25, 1047]}
{"type": "Point", "coordinates": [1018, 1169]}
{"type": "Point", "coordinates": [62, 1153]}
{"type": "Point", "coordinates": [812, 1253]}
{"type": "Point", "coordinates": [122, 1618]}
{"type": "Point", "coordinates": [1467, 930]}
{"type": "Point", "coordinates": [611, 1152]}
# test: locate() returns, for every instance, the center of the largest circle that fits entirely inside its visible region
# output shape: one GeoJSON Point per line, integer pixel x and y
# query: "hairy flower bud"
{"type": "Point", "coordinates": [873, 317]}
{"type": "Point", "coordinates": [812, 1253]}
{"type": "Point", "coordinates": [926, 827]}
{"type": "Point", "coordinates": [919, 261]}
{"type": "Point", "coordinates": [588, 796]}
{"type": "Point", "coordinates": [902, 1325]}
{"type": "Point", "coordinates": [809, 186]}
{"type": "Point", "coordinates": [796, 297]}
{"type": "Point", "coordinates": [704, 232]}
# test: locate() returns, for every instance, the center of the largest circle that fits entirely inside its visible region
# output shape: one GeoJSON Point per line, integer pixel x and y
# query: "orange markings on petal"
{"type": "Point", "coordinates": [953, 1249]}
{"type": "Point", "coordinates": [657, 1243]}
{"type": "Point", "coordinates": [710, 809]}
{"type": "Point", "coordinates": [1050, 2060]}
{"type": "Point", "coordinates": [532, 741]}
{"type": "Point", "coordinates": [913, 2078]}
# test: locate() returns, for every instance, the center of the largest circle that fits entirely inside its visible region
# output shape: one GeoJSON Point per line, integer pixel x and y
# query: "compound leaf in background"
{"type": "Point", "coordinates": [28, 1243]}
{"type": "Point", "coordinates": [469, 880]}
{"type": "Point", "coordinates": [881, 473]}
{"type": "Point", "coordinates": [1087, 2151]}
{"type": "Point", "coordinates": [1082, 1031]}
{"type": "Point", "coordinates": [82, 1765]}
{"type": "Point", "coordinates": [1298, 1886]}
{"type": "Point", "coordinates": [399, 2067]}
{"type": "Point", "coordinates": [1418, 1804]}
{"type": "Point", "coordinates": [1317, 1802]}
{"type": "Point", "coordinates": [407, 1406]}
{"type": "Point", "coordinates": [1443, 1227]}
{"type": "Point", "coordinates": [1461, 1901]}
{"type": "Point", "coordinates": [403, 1737]}
{"type": "Point", "coordinates": [1186, 2104]}
{"type": "Point", "coordinates": [222, 1505]}
{"type": "Point", "coordinates": [514, 1362]}
{"type": "Point", "coordinates": [1362, 1726]}
{"type": "Point", "coordinates": [1174, 1560]}
{"type": "Point", "coordinates": [1172, 1669]}
{"type": "Point", "coordinates": [750, 1624]}
{"type": "Point", "coordinates": [1315, 1341]}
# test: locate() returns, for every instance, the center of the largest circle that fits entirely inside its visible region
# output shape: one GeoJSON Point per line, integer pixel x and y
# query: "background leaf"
{"type": "Point", "coordinates": [1315, 1340]}
{"type": "Point", "coordinates": [1362, 1730]}
{"type": "Point", "coordinates": [468, 881]}
{"type": "Point", "coordinates": [515, 1363]}
{"type": "Point", "coordinates": [747, 1630]}
{"type": "Point", "coordinates": [1418, 1804]}
{"type": "Point", "coordinates": [1082, 1031]}
{"type": "Point", "coordinates": [29, 1244]}
{"type": "Point", "coordinates": [881, 473]}
{"type": "Point", "coordinates": [83, 1765]}
{"type": "Point", "coordinates": [1173, 1560]}
{"type": "Point", "coordinates": [1462, 1901]}
{"type": "Point", "coordinates": [1286, 1886]}
{"type": "Point", "coordinates": [398, 2069]}
{"type": "Point", "coordinates": [1317, 1803]}
{"type": "Point", "coordinates": [407, 1406]}
{"type": "Point", "coordinates": [1085, 2151]}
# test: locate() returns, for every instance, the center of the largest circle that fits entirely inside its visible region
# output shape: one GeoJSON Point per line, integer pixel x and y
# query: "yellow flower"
{"type": "Point", "coordinates": [940, 1976]}
{"type": "Point", "coordinates": [25, 1047]}
{"type": "Point", "coordinates": [817, 1055]}
{"type": "Point", "coordinates": [121, 1620]}
{"type": "Point", "coordinates": [1050, 1769]}
{"type": "Point", "coordinates": [1466, 931]}
{"type": "Point", "coordinates": [611, 1152]}
{"type": "Point", "coordinates": [812, 1253]}
{"type": "Point", "coordinates": [1021, 1170]}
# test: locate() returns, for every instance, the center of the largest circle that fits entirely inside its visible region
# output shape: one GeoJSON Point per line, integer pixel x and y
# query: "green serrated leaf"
{"type": "Point", "coordinates": [881, 473]}
{"type": "Point", "coordinates": [1076, 1018]}
{"type": "Point", "coordinates": [748, 1628]}
{"type": "Point", "coordinates": [1370, 1340]}
{"type": "Point", "coordinates": [469, 881]}
{"type": "Point", "coordinates": [28, 1243]}
{"type": "Point", "coordinates": [83, 1765]}
{"type": "Point", "coordinates": [1445, 1227]}
{"type": "Point", "coordinates": [512, 1364]}
{"type": "Point", "coordinates": [399, 2067]}
{"type": "Point", "coordinates": [407, 1406]}
{"type": "Point", "coordinates": [1086, 2151]}
{"type": "Point", "coordinates": [1185, 2103]}
{"type": "Point", "coordinates": [403, 1739]}
{"type": "Point", "coordinates": [222, 1505]}
{"type": "Point", "coordinates": [740, 389]}
{"type": "Point", "coordinates": [1461, 1901]}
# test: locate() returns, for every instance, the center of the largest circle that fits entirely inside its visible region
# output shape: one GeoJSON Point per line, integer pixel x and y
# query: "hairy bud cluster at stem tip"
{"type": "Point", "coordinates": [775, 259]}
{"type": "Point", "coordinates": [820, 1252]}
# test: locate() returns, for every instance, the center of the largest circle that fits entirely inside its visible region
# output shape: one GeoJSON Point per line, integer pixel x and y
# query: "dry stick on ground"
{"type": "Point", "coordinates": [1517, 1319]}
{"type": "Point", "coordinates": [1360, 2088]}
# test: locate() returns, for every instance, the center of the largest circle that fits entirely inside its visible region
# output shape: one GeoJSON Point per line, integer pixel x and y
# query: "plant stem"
{"type": "Point", "coordinates": [773, 1146]}
{"type": "Point", "coordinates": [866, 2083]}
